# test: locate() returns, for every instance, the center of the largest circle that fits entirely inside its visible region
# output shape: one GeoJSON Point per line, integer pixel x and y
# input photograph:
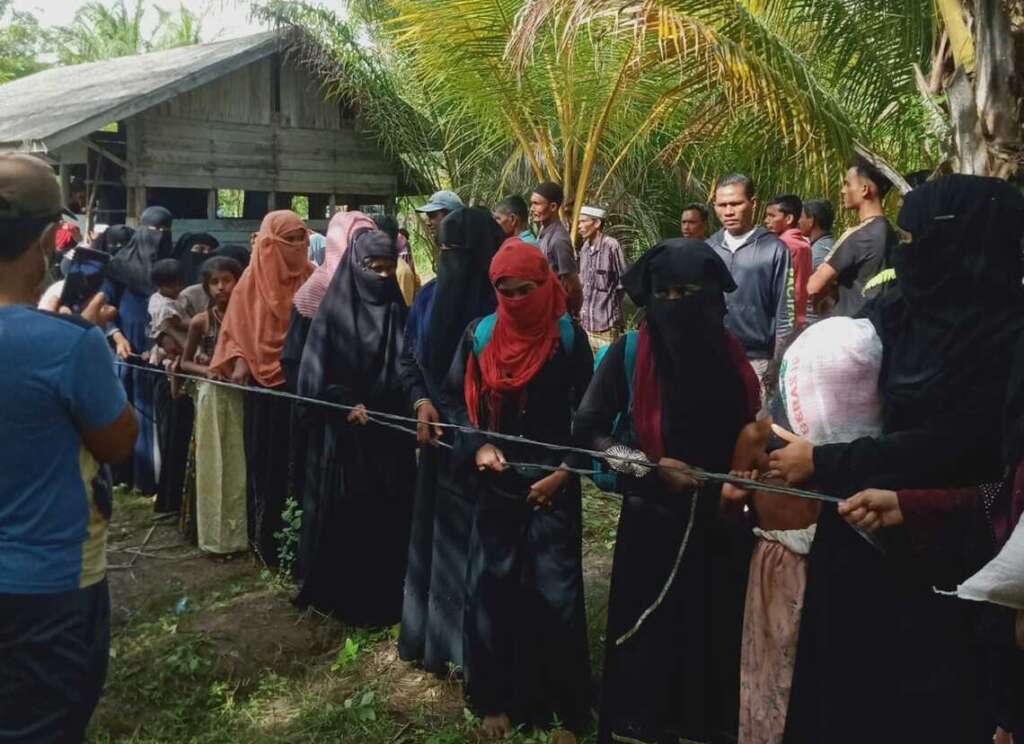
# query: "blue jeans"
{"type": "Point", "coordinates": [53, 662]}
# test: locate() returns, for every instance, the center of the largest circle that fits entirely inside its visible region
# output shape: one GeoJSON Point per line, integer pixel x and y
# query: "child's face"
{"type": "Point", "coordinates": [171, 291]}
{"type": "Point", "coordinates": [219, 286]}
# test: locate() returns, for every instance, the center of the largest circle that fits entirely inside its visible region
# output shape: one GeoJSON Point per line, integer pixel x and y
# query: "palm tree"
{"type": "Point", "coordinates": [101, 31]}
{"type": "Point", "coordinates": [178, 29]}
{"type": "Point", "coordinates": [974, 68]}
{"type": "Point", "coordinates": [642, 104]}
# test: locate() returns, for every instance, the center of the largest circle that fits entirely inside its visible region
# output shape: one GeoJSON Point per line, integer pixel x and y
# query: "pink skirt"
{"type": "Point", "coordinates": [771, 626]}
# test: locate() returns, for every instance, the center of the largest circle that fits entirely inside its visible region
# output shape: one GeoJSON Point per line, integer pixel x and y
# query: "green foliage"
{"type": "Point", "coordinates": [637, 106]}
{"type": "Point", "coordinates": [300, 205]}
{"type": "Point", "coordinates": [22, 40]}
{"type": "Point", "coordinates": [101, 31]}
{"type": "Point", "coordinates": [346, 656]}
{"type": "Point", "coordinates": [288, 537]}
{"type": "Point", "coordinates": [178, 29]}
{"type": "Point", "coordinates": [230, 203]}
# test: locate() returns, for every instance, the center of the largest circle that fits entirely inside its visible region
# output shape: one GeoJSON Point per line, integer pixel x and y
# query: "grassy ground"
{"type": "Point", "coordinates": [211, 650]}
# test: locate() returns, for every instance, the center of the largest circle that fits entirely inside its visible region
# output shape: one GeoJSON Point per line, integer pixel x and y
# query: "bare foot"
{"type": "Point", "coordinates": [562, 737]}
{"type": "Point", "coordinates": [496, 727]}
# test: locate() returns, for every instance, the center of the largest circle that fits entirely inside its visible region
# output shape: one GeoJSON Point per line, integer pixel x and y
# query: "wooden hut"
{"type": "Point", "coordinates": [219, 133]}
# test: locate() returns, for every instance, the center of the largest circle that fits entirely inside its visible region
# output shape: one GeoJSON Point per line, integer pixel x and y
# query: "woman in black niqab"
{"type": "Point", "coordinates": [128, 288]}
{"type": "Point", "coordinates": [150, 243]}
{"type": "Point", "coordinates": [367, 473]}
{"type": "Point", "coordinates": [432, 613]}
{"type": "Point", "coordinates": [192, 250]}
{"type": "Point", "coordinates": [113, 239]}
{"type": "Point", "coordinates": [948, 333]}
{"type": "Point", "coordinates": [677, 673]}
{"type": "Point", "coordinates": [469, 239]}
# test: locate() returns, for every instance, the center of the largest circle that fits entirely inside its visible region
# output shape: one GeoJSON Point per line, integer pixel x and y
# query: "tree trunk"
{"type": "Point", "coordinates": [985, 102]}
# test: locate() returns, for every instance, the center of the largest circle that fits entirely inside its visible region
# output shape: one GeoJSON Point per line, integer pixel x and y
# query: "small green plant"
{"type": "Point", "coordinates": [288, 537]}
{"type": "Point", "coordinates": [347, 655]}
{"type": "Point", "coordinates": [363, 706]}
{"type": "Point", "coordinates": [185, 661]}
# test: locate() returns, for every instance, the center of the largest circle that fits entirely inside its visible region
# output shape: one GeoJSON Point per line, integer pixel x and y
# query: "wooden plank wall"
{"type": "Point", "coordinates": [231, 231]}
{"type": "Point", "coordinates": [225, 135]}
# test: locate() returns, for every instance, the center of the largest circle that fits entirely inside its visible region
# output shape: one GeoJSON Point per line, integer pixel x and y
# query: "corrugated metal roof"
{"type": "Point", "coordinates": [61, 104]}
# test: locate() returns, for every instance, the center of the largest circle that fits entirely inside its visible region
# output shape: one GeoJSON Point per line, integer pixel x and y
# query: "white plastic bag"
{"type": "Point", "coordinates": [1001, 581]}
{"type": "Point", "coordinates": [829, 382]}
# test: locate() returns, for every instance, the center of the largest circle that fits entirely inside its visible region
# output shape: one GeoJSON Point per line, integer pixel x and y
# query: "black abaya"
{"type": "Point", "coordinates": [675, 674]}
{"type": "Point", "coordinates": [679, 674]}
{"type": "Point", "coordinates": [267, 449]}
{"type": "Point", "coordinates": [525, 634]}
{"type": "Point", "coordinates": [947, 332]}
{"type": "Point", "coordinates": [174, 421]}
{"type": "Point", "coordinates": [433, 609]}
{"type": "Point", "coordinates": [307, 435]}
{"type": "Point", "coordinates": [364, 475]}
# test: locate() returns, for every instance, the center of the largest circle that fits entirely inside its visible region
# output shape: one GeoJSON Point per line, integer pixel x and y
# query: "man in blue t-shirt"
{"type": "Point", "coordinates": [63, 414]}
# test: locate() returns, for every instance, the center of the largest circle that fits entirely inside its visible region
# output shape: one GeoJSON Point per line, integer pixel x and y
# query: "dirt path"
{"type": "Point", "coordinates": [212, 650]}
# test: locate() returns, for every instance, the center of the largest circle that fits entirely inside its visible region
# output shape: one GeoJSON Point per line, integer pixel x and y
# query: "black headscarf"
{"type": "Point", "coordinates": [463, 291]}
{"type": "Point", "coordinates": [113, 239]}
{"type": "Point", "coordinates": [238, 251]}
{"type": "Point", "coordinates": [703, 399]}
{"type": "Point", "coordinates": [355, 339]}
{"type": "Point", "coordinates": [950, 329]}
{"type": "Point", "coordinates": [133, 263]}
{"type": "Point", "coordinates": [192, 261]}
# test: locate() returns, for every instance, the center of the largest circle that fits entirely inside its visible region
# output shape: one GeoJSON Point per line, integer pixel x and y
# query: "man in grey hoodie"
{"type": "Point", "coordinates": [760, 311]}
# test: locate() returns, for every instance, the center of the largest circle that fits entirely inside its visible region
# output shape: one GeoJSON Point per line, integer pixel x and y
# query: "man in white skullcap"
{"type": "Point", "coordinates": [602, 265]}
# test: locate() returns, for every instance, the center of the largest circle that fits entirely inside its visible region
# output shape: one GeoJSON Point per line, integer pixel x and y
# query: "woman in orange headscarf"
{"type": "Point", "coordinates": [521, 372]}
{"type": "Point", "coordinates": [249, 352]}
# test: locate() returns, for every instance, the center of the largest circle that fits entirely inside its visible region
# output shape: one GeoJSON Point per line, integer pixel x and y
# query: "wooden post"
{"type": "Point", "coordinates": [333, 204]}
{"type": "Point", "coordinates": [139, 199]}
{"type": "Point", "coordinates": [271, 201]}
{"type": "Point", "coordinates": [211, 204]}
{"type": "Point", "coordinates": [65, 181]}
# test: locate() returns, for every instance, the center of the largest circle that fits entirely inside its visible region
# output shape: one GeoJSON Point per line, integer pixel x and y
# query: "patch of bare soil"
{"type": "Point", "coordinates": [150, 566]}
{"type": "Point", "coordinates": [260, 631]}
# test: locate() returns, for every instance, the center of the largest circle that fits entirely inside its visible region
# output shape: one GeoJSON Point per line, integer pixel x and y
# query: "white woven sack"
{"type": "Point", "coordinates": [829, 381]}
{"type": "Point", "coordinates": [1001, 581]}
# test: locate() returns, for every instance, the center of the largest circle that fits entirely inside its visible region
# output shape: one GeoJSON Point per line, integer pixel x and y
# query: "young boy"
{"type": "Point", "coordinates": [828, 392]}
{"type": "Point", "coordinates": [171, 308]}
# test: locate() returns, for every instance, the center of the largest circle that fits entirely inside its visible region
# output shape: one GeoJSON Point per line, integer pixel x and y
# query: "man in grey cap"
{"type": "Point", "coordinates": [439, 206]}
{"type": "Point", "coordinates": [64, 414]}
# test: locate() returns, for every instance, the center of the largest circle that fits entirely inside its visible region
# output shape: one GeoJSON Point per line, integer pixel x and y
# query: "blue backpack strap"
{"type": "Point", "coordinates": [602, 477]}
{"type": "Point", "coordinates": [567, 332]}
{"type": "Point", "coordinates": [632, 342]}
{"type": "Point", "coordinates": [483, 332]}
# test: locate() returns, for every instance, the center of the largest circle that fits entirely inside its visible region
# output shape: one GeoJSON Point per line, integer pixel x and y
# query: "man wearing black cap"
{"type": "Point", "coordinates": [545, 203]}
{"type": "Point", "coordinates": [63, 413]}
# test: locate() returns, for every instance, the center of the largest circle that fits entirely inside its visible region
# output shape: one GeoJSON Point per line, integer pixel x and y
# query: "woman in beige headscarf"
{"type": "Point", "coordinates": [249, 352]}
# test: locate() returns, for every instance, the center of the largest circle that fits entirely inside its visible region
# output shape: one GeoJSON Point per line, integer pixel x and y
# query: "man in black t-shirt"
{"type": "Point", "coordinates": [861, 252]}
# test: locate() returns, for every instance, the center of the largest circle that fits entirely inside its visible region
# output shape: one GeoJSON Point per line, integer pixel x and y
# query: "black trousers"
{"type": "Point", "coordinates": [53, 663]}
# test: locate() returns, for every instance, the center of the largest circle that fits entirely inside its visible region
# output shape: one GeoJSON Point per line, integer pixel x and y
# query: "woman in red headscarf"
{"type": "Point", "coordinates": [521, 372]}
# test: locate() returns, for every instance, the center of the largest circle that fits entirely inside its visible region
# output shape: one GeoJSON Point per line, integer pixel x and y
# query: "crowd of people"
{"type": "Point", "coordinates": [880, 373]}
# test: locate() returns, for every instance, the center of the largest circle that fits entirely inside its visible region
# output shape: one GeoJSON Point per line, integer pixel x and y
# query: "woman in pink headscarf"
{"type": "Point", "coordinates": [340, 233]}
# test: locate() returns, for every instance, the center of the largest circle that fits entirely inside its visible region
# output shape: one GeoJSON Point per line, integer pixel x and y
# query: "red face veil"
{"type": "Point", "coordinates": [525, 334]}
